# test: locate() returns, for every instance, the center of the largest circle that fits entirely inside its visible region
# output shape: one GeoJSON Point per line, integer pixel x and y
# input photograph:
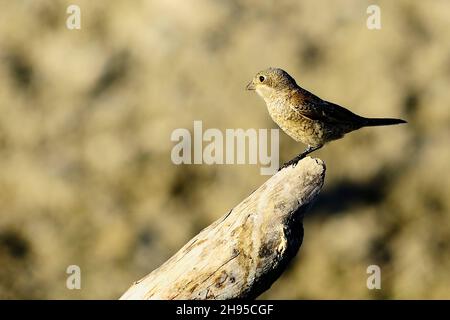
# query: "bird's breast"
{"type": "Point", "coordinates": [292, 123]}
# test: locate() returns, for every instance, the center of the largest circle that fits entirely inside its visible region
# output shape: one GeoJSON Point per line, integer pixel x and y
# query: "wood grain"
{"type": "Point", "coordinates": [245, 251]}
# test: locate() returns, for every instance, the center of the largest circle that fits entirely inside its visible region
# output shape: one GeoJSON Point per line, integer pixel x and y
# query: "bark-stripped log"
{"type": "Point", "coordinates": [244, 252]}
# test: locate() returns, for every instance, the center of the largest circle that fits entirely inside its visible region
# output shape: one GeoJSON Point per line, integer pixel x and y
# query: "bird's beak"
{"type": "Point", "coordinates": [250, 86]}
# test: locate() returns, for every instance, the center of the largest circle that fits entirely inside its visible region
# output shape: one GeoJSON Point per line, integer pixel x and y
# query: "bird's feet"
{"type": "Point", "coordinates": [294, 161]}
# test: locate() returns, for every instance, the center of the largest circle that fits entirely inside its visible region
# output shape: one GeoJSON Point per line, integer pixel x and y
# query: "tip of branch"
{"type": "Point", "coordinates": [306, 163]}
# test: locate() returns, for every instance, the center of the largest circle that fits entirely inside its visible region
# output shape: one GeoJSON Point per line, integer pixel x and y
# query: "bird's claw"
{"type": "Point", "coordinates": [292, 162]}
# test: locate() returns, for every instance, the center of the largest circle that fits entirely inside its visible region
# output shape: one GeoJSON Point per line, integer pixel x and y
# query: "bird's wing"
{"type": "Point", "coordinates": [312, 107]}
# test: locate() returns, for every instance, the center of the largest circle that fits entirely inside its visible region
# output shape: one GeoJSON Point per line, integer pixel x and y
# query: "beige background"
{"type": "Point", "coordinates": [86, 118]}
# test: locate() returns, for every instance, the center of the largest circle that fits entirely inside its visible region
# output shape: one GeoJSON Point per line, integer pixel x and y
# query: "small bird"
{"type": "Point", "coordinates": [304, 116]}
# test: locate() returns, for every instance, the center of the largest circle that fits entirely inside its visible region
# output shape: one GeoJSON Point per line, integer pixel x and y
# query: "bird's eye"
{"type": "Point", "coordinates": [261, 78]}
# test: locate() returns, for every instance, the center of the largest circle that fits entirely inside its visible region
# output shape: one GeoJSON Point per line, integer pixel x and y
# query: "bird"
{"type": "Point", "coordinates": [304, 116]}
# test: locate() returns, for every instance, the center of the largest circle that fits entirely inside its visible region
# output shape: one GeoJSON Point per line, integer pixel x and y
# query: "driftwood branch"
{"type": "Point", "coordinates": [244, 252]}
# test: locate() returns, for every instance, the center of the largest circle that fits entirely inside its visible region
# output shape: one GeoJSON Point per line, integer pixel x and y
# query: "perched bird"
{"type": "Point", "coordinates": [304, 116]}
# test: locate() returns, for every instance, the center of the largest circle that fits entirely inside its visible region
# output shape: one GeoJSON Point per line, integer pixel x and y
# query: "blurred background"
{"type": "Point", "coordinates": [86, 116]}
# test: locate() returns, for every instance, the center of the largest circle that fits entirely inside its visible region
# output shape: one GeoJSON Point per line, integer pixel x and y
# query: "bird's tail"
{"type": "Point", "coordinates": [371, 122]}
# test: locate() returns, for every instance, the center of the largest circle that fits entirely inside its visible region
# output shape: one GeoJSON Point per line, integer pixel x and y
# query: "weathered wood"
{"type": "Point", "coordinates": [244, 252]}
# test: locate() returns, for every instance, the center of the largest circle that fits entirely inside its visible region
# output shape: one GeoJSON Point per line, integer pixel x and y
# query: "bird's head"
{"type": "Point", "coordinates": [271, 81]}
